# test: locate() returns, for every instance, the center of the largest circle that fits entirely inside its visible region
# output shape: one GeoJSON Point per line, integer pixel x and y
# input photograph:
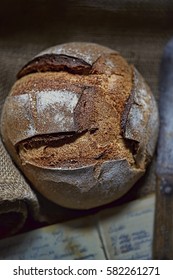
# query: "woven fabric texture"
{"type": "Point", "coordinates": [15, 196]}
{"type": "Point", "coordinates": [137, 29]}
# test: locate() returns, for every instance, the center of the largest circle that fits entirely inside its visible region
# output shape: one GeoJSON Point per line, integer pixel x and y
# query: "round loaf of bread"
{"type": "Point", "coordinates": [81, 124]}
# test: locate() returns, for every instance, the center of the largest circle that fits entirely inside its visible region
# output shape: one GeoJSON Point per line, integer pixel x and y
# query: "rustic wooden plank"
{"type": "Point", "coordinates": [163, 232]}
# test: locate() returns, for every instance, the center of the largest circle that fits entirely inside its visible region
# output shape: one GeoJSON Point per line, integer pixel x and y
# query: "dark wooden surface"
{"type": "Point", "coordinates": [163, 234]}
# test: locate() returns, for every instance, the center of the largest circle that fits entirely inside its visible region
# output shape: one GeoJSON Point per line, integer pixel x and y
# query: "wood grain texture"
{"type": "Point", "coordinates": [163, 235]}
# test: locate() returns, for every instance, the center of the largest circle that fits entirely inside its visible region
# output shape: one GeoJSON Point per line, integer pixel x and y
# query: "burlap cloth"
{"type": "Point", "coordinates": [137, 29]}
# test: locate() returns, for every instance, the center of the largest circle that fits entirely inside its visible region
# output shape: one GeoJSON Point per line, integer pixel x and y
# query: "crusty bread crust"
{"type": "Point", "coordinates": [81, 124]}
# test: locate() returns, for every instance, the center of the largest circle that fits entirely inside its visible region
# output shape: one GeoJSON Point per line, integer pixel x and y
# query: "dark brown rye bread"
{"type": "Point", "coordinates": [82, 110]}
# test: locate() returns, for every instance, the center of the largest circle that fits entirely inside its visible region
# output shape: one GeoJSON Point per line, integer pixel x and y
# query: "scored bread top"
{"type": "Point", "coordinates": [75, 103]}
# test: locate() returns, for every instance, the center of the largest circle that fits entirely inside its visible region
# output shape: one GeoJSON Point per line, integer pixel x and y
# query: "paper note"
{"type": "Point", "coordinates": [123, 232]}
{"type": "Point", "coordinates": [127, 231]}
{"type": "Point", "coordinates": [77, 239]}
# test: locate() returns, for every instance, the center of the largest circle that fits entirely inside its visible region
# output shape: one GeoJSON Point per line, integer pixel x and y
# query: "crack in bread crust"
{"type": "Point", "coordinates": [55, 62]}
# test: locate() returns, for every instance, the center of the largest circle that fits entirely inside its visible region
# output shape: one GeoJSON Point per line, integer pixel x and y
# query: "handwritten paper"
{"type": "Point", "coordinates": [123, 232]}
{"type": "Point", "coordinates": [127, 230]}
{"type": "Point", "coordinates": [77, 239]}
